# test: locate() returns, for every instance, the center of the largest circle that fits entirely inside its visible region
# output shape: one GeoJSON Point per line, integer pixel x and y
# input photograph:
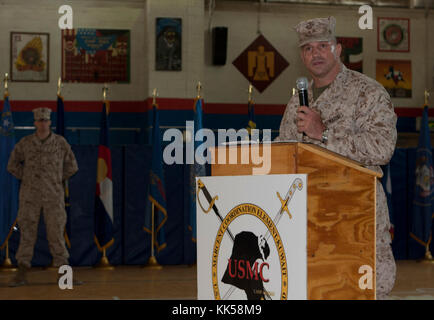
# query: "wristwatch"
{"type": "Point", "coordinates": [324, 137]}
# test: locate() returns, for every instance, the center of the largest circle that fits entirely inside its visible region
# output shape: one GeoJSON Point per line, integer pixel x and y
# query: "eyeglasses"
{"type": "Point", "coordinates": [321, 47]}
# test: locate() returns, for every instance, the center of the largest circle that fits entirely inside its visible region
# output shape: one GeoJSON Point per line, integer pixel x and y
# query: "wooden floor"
{"type": "Point", "coordinates": [414, 281]}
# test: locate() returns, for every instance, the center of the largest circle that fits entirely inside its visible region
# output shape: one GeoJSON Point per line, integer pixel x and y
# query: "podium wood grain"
{"type": "Point", "coordinates": [341, 227]}
{"type": "Point", "coordinates": [341, 213]}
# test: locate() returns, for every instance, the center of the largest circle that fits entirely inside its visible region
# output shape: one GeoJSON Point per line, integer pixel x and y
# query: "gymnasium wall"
{"type": "Point", "coordinates": [224, 88]}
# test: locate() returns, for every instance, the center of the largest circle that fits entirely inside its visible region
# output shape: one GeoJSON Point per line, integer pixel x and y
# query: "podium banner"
{"type": "Point", "coordinates": [251, 237]}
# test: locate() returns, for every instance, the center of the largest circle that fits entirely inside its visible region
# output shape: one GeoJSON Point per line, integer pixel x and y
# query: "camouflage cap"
{"type": "Point", "coordinates": [41, 114]}
{"type": "Point", "coordinates": [318, 29]}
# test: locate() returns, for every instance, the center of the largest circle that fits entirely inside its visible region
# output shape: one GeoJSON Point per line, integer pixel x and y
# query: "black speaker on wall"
{"type": "Point", "coordinates": [219, 45]}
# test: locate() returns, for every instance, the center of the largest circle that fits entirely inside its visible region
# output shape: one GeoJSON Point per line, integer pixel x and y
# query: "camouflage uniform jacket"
{"type": "Point", "coordinates": [361, 121]}
{"type": "Point", "coordinates": [42, 166]}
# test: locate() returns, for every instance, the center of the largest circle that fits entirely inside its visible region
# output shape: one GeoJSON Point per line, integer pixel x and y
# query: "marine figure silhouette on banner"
{"type": "Point", "coordinates": [247, 249]}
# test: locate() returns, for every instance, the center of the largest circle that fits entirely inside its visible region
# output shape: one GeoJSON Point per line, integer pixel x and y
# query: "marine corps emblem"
{"type": "Point", "coordinates": [248, 257]}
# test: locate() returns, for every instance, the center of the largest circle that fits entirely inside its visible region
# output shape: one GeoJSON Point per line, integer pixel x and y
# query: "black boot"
{"type": "Point", "coordinates": [20, 278]}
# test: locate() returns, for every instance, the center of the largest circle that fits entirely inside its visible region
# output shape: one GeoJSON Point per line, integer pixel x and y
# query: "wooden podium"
{"type": "Point", "coordinates": [341, 202]}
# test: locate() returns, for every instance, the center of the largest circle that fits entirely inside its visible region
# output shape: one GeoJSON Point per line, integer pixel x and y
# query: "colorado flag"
{"type": "Point", "coordinates": [104, 188]}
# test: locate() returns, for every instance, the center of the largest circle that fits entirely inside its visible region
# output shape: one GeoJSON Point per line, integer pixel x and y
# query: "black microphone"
{"type": "Point", "coordinates": [302, 86]}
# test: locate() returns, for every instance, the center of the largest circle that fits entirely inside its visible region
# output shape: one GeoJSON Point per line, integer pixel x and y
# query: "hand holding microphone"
{"type": "Point", "coordinates": [308, 121]}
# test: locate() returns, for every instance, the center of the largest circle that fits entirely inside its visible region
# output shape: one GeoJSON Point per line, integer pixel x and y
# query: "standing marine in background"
{"type": "Point", "coordinates": [42, 161]}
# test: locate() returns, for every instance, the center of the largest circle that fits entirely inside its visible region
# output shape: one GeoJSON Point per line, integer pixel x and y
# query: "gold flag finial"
{"type": "Point", "coordinates": [294, 91]}
{"type": "Point", "coordinates": [426, 96]}
{"type": "Point", "coordinates": [6, 80]}
{"type": "Point", "coordinates": [59, 86]}
{"type": "Point", "coordinates": [199, 88]}
{"type": "Point", "coordinates": [105, 92]}
{"type": "Point", "coordinates": [250, 91]}
{"type": "Point", "coordinates": [154, 96]}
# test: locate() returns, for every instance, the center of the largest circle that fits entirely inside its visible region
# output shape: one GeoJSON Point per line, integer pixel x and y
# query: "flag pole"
{"type": "Point", "coordinates": [104, 263]}
{"type": "Point", "coordinates": [59, 85]}
{"type": "Point", "coordinates": [104, 92]}
{"type": "Point", "coordinates": [66, 184]}
{"type": "Point", "coordinates": [428, 255]}
{"type": "Point", "coordinates": [152, 233]}
{"type": "Point", "coordinates": [154, 96]}
{"type": "Point", "coordinates": [249, 102]}
{"type": "Point", "coordinates": [152, 261]}
{"type": "Point", "coordinates": [250, 91]}
{"type": "Point", "coordinates": [428, 258]}
{"type": "Point", "coordinates": [198, 88]}
{"type": "Point", "coordinates": [6, 80]}
{"type": "Point", "coordinates": [7, 263]}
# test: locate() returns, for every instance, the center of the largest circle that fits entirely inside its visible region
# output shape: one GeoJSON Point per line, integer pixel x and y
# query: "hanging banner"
{"type": "Point", "coordinates": [260, 63]}
{"type": "Point", "coordinates": [352, 52]}
{"type": "Point", "coordinates": [395, 76]}
{"type": "Point", "coordinates": [96, 55]}
{"type": "Point", "coordinates": [168, 48]}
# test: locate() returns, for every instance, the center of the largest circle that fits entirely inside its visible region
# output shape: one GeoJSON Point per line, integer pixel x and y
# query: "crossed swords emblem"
{"type": "Point", "coordinates": [296, 184]}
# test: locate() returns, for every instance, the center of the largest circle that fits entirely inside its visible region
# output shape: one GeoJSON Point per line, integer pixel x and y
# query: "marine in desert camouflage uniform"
{"type": "Point", "coordinates": [42, 161]}
{"type": "Point", "coordinates": [349, 114]}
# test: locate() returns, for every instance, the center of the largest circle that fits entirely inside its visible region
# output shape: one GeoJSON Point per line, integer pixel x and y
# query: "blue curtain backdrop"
{"type": "Point", "coordinates": [131, 165]}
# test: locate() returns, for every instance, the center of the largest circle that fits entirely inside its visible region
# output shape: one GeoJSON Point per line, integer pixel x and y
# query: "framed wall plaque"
{"type": "Point", "coordinates": [168, 47]}
{"type": "Point", "coordinates": [29, 56]}
{"type": "Point", "coordinates": [396, 77]}
{"type": "Point", "coordinates": [393, 34]}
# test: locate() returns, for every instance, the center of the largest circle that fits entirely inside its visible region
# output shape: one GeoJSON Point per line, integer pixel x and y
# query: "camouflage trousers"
{"type": "Point", "coordinates": [385, 262]}
{"type": "Point", "coordinates": [55, 221]}
{"type": "Point", "coordinates": [386, 271]}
